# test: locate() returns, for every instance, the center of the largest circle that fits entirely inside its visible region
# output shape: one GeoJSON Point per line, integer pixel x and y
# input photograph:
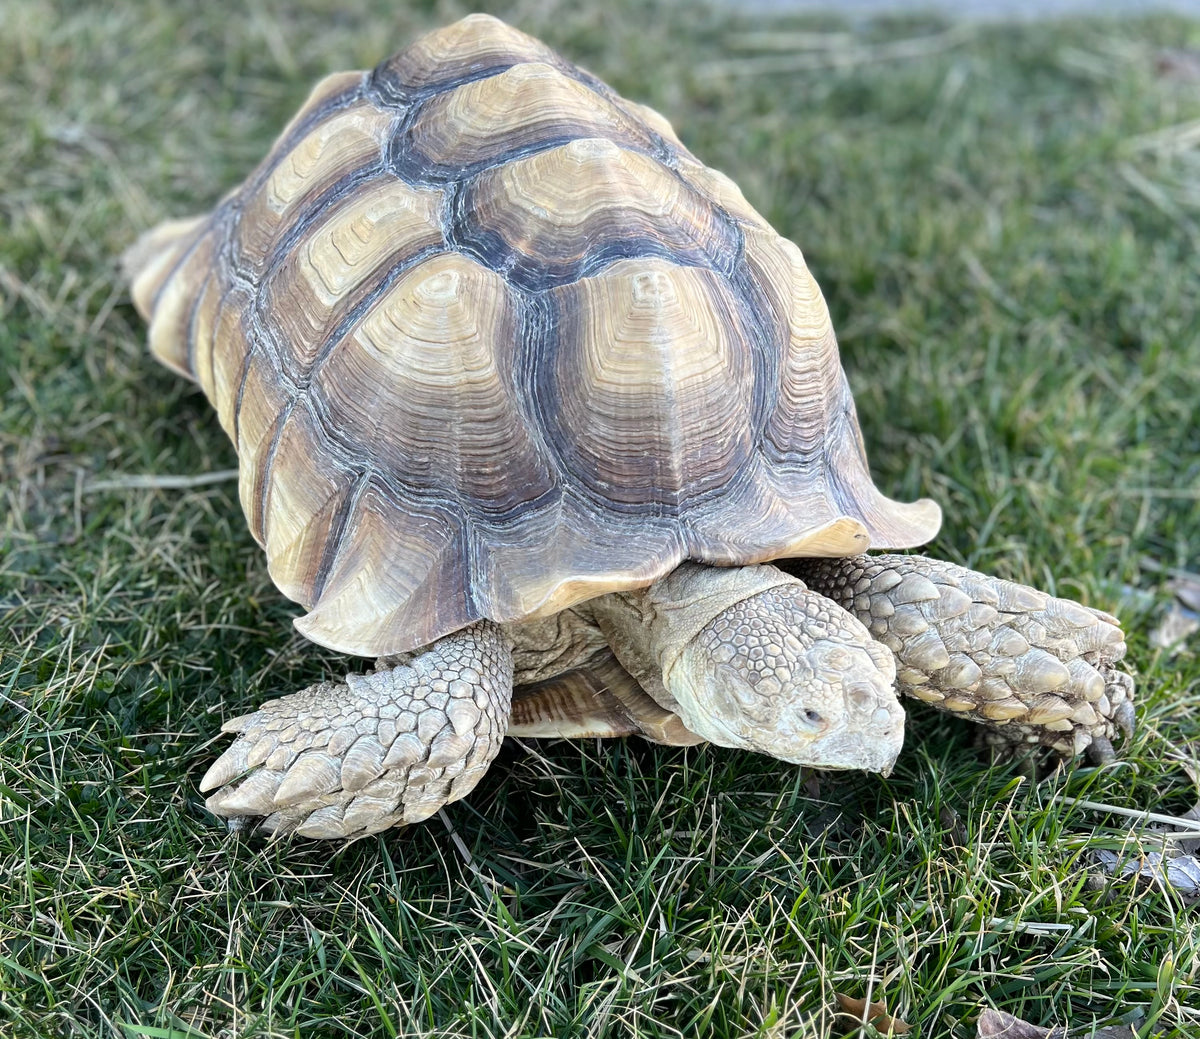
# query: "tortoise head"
{"type": "Point", "coordinates": [788, 673]}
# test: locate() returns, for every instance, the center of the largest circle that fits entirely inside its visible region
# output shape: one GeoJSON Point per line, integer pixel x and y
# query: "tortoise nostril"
{"type": "Point", "coordinates": [882, 717]}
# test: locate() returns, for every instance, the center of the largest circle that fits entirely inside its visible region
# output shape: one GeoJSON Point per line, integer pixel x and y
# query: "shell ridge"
{"type": "Point", "coordinates": [527, 272]}
{"type": "Point", "coordinates": [396, 97]}
{"type": "Point", "coordinates": [417, 169]}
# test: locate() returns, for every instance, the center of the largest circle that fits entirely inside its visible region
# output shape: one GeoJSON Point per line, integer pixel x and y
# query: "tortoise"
{"type": "Point", "coordinates": [526, 399]}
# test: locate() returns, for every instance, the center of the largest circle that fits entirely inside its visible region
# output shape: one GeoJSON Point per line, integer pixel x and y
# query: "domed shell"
{"type": "Point", "coordinates": [490, 341]}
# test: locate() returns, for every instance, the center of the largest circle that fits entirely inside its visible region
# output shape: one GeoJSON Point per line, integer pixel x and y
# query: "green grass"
{"type": "Point", "coordinates": [1011, 260]}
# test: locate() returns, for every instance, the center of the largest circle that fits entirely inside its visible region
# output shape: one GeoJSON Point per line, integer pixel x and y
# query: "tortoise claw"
{"type": "Point", "coordinates": [1100, 751]}
{"type": "Point", "coordinates": [233, 763]}
{"type": "Point", "coordinates": [1126, 717]}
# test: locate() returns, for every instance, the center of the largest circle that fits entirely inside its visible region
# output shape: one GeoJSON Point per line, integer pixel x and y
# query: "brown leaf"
{"type": "Point", "coordinates": [996, 1024]}
{"type": "Point", "coordinates": [1186, 586]}
{"type": "Point", "coordinates": [1176, 625]}
{"type": "Point", "coordinates": [1190, 845]}
{"type": "Point", "coordinates": [952, 825]}
{"type": "Point", "coordinates": [1178, 63]}
{"type": "Point", "coordinates": [855, 1012]}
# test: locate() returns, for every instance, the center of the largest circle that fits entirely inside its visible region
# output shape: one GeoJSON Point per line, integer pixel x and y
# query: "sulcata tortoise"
{"type": "Point", "coordinates": [525, 398]}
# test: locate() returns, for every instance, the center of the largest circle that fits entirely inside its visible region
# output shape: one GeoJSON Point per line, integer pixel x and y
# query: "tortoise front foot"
{"type": "Point", "coordinates": [1034, 668]}
{"type": "Point", "coordinates": [380, 750]}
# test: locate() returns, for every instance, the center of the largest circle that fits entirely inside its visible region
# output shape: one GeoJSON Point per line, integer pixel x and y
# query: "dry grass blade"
{"type": "Point", "coordinates": [156, 481]}
{"type": "Point", "coordinates": [1185, 825]}
{"type": "Point", "coordinates": [842, 56]}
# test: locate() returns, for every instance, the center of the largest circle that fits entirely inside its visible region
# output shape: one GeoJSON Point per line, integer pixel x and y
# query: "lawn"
{"type": "Point", "coordinates": [1005, 222]}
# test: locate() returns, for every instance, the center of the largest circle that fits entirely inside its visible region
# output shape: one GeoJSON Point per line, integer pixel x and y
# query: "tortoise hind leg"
{"type": "Point", "coordinates": [379, 750]}
{"type": "Point", "coordinates": [1034, 668]}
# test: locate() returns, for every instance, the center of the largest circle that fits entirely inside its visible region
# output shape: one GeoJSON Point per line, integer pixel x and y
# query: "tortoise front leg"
{"type": "Point", "coordinates": [1035, 668]}
{"type": "Point", "coordinates": [379, 750]}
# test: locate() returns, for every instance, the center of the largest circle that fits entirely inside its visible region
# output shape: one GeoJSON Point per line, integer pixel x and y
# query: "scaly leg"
{"type": "Point", "coordinates": [380, 750]}
{"type": "Point", "coordinates": [1034, 668]}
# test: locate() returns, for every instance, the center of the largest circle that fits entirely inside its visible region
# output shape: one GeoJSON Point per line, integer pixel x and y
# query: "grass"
{"type": "Point", "coordinates": [1006, 228]}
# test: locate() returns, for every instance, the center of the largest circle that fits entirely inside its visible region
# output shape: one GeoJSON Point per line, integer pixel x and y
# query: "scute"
{"type": "Point", "coordinates": [382, 224]}
{"type": "Point", "coordinates": [490, 341]}
{"type": "Point", "coordinates": [514, 113]}
{"type": "Point", "coordinates": [560, 214]}
{"type": "Point", "coordinates": [340, 148]}
{"type": "Point", "coordinates": [472, 48]}
{"type": "Point", "coordinates": [304, 504]}
{"type": "Point", "coordinates": [425, 387]}
{"type": "Point", "coordinates": [649, 384]}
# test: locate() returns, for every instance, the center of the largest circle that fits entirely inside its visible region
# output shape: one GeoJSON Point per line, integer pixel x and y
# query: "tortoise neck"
{"type": "Point", "coordinates": [648, 628]}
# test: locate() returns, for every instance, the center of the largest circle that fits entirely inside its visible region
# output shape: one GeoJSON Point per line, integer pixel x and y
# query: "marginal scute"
{"type": "Point", "coordinates": [220, 371]}
{"type": "Point", "coordinates": [186, 270]}
{"type": "Point", "coordinates": [399, 568]}
{"type": "Point", "coordinates": [304, 500]}
{"type": "Point", "coordinates": [203, 332]}
{"type": "Point", "coordinates": [150, 263]}
{"type": "Point", "coordinates": [261, 407]}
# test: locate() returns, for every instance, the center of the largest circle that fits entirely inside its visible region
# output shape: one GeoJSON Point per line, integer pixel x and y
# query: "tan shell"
{"type": "Point", "coordinates": [489, 341]}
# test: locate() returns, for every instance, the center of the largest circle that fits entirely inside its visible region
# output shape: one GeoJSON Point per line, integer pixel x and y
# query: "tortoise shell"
{"type": "Point", "coordinates": [489, 341]}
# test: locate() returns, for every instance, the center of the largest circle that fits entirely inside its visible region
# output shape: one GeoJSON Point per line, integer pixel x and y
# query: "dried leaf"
{"type": "Point", "coordinates": [855, 1012]}
{"type": "Point", "coordinates": [1181, 618]}
{"type": "Point", "coordinates": [952, 824]}
{"type": "Point", "coordinates": [1177, 624]}
{"type": "Point", "coordinates": [1185, 587]}
{"type": "Point", "coordinates": [996, 1024]}
{"type": "Point", "coordinates": [1178, 63]}
{"type": "Point", "coordinates": [1180, 873]}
